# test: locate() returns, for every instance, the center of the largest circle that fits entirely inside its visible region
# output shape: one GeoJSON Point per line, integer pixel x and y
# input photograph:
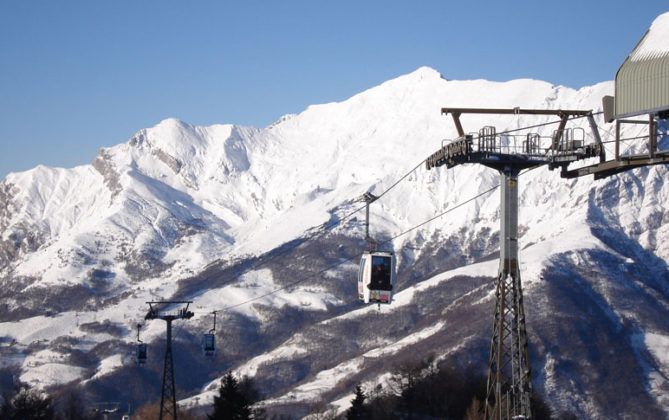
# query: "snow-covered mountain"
{"type": "Point", "coordinates": [219, 215]}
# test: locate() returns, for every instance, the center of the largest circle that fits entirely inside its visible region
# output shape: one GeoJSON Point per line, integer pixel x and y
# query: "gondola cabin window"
{"type": "Point", "coordinates": [380, 273]}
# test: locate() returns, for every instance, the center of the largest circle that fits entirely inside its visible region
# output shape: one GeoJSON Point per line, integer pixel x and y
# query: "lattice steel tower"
{"type": "Point", "coordinates": [168, 398]}
{"type": "Point", "coordinates": [509, 386]}
{"type": "Point", "coordinates": [509, 382]}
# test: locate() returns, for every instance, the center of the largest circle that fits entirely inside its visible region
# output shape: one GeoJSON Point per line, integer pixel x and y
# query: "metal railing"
{"type": "Point", "coordinates": [532, 144]}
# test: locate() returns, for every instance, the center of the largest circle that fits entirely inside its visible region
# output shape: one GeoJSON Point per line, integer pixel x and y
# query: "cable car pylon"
{"type": "Point", "coordinates": [168, 401]}
{"type": "Point", "coordinates": [509, 386]}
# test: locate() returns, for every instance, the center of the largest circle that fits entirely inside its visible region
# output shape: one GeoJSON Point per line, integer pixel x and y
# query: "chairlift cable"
{"type": "Point", "coordinates": [324, 228]}
{"type": "Point", "coordinates": [340, 220]}
{"type": "Point", "coordinates": [345, 260]}
{"type": "Point", "coordinates": [347, 216]}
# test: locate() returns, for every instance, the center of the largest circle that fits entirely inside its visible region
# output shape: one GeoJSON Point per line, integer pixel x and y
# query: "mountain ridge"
{"type": "Point", "coordinates": [196, 211]}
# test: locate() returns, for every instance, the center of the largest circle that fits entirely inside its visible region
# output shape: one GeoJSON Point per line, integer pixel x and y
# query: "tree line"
{"type": "Point", "coordinates": [425, 390]}
{"type": "Point", "coordinates": [422, 390]}
{"type": "Point", "coordinates": [23, 403]}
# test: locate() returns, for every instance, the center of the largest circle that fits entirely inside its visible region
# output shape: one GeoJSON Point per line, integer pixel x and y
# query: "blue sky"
{"type": "Point", "coordinates": [79, 75]}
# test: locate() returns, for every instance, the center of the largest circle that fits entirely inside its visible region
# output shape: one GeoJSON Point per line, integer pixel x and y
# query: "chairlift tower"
{"type": "Point", "coordinates": [640, 90]}
{"type": "Point", "coordinates": [509, 385]}
{"type": "Point", "coordinates": [168, 401]}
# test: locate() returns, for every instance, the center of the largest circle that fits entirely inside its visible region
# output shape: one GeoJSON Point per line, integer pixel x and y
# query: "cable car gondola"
{"type": "Point", "coordinates": [140, 356]}
{"type": "Point", "coordinates": [209, 340]}
{"type": "Point", "coordinates": [209, 344]}
{"type": "Point", "coordinates": [376, 277]}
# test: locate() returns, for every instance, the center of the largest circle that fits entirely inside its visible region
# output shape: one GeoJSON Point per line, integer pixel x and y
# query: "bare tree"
{"type": "Point", "coordinates": [321, 411]}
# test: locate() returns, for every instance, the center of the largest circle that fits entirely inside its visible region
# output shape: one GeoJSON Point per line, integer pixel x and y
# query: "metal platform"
{"type": "Point", "coordinates": [612, 167]}
{"type": "Point", "coordinates": [621, 162]}
{"type": "Point", "coordinates": [491, 151]}
{"type": "Point", "coordinates": [496, 150]}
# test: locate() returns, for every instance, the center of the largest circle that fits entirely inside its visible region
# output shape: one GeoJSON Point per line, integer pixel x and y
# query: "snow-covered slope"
{"type": "Point", "coordinates": [213, 192]}
{"type": "Point", "coordinates": [186, 211]}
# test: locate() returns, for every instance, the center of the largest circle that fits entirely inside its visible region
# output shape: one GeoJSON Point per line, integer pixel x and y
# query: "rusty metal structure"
{"type": "Point", "coordinates": [157, 310]}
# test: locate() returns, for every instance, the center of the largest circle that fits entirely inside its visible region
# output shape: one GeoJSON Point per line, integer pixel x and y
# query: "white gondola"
{"type": "Point", "coordinates": [140, 352]}
{"type": "Point", "coordinates": [209, 344]}
{"type": "Point", "coordinates": [209, 340]}
{"type": "Point", "coordinates": [376, 277]}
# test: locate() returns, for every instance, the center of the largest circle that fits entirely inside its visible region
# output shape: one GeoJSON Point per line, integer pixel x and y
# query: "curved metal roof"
{"type": "Point", "coordinates": [642, 82]}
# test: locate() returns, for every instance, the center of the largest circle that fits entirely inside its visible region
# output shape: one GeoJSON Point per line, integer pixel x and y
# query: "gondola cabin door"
{"type": "Point", "coordinates": [376, 277]}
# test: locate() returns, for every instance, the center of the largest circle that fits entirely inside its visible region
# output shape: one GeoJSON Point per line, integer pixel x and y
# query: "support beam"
{"type": "Point", "coordinates": [558, 133]}
{"type": "Point", "coordinates": [598, 138]}
{"type": "Point", "coordinates": [368, 198]}
{"type": "Point", "coordinates": [652, 136]}
{"type": "Point", "coordinates": [509, 385]}
{"type": "Point", "coordinates": [517, 111]}
{"type": "Point", "coordinates": [458, 124]}
{"type": "Point", "coordinates": [168, 399]}
{"type": "Point", "coordinates": [617, 142]}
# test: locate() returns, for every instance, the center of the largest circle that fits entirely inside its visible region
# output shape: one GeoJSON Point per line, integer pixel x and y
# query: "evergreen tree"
{"type": "Point", "coordinates": [231, 403]}
{"type": "Point", "coordinates": [27, 405]}
{"type": "Point", "coordinates": [358, 409]}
